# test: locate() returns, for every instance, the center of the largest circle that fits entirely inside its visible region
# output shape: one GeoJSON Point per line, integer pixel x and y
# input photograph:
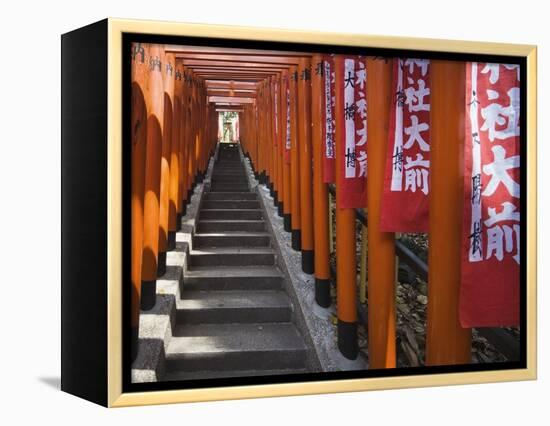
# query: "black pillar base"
{"type": "Point", "coordinates": [171, 241]}
{"type": "Point", "coordinates": [322, 292]}
{"type": "Point", "coordinates": [161, 264]}
{"type": "Point", "coordinates": [189, 194]}
{"type": "Point", "coordinates": [200, 177]}
{"type": "Point", "coordinates": [148, 294]}
{"type": "Point", "coordinates": [275, 198]}
{"type": "Point", "coordinates": [307, 261]}
{"type": "Point", "coordinates": [256, 176]}
{"type": "Point", "coordinates": [347, 339]}
{"type": "Point", "coordinates": [263, 179]}
{"type": "Point", "coordinates": [296, 239]}
{"type": "Point", "coordinates": [286, 222]}
{"type": "Point", "coordinates": [183, 210]}
{"type": "Point", "coordinates": [280, 209]}
{"type": "Point", "coordinates": [178, 222]}
{"type": "Point", "coordinates": [134, 343]}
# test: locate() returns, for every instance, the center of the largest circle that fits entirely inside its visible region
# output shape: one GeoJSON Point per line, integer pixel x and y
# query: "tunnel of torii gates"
{"type": "Point", "coordinates": [180, 107]}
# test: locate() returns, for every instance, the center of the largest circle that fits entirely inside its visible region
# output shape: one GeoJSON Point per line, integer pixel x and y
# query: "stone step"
{"type": "Point", "coordinates": [216, 177]}
{"type": "Point", "coordinates": [231, 278]}
{"type": "Point", "coordinates": [197, 375]}
{"type": "Point", "coordinates": [228, 180]}
{"type": "Point", "coordinates": [230, 214]}
{"type": "Point", "coordinates": [215, 226]}
{"type": "Point", "coordinates": [231, 170]}
{"type": "Point", "coordinates": [233, 167]}
{"type": "Point", "coordinates": [230, 196]}
{"type": "Point", "coordinates": [235, 347]}
{"type": "Point", "coordinates": [230, 204]}
{"type": "Point", "coordinates": [229, 187]}
{"type": "Point", "coordinates": [222, 256]}
{"type": "Point", "coordinates": [232, 239]}
{"type": "Point", "coordinates": [233, 306]}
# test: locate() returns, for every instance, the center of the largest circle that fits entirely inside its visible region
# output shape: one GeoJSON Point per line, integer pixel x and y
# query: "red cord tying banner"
{"type": "Point", "coordinates": [489, 293]}
{"type": "Point", "coordinates": [352, 179]}
{"type": "Point", "coordinates": [406, 189]}
{"type": "Point", "coordinates": [328, 119]}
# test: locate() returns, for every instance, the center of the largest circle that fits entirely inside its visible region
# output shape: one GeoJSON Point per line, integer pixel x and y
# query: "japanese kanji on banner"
{"type": "Point", "coordinates": [352, 179]}
{"type": "Point", "coordinates": [489, 292]}
{"type": "Point", "coordinates": [406, 180]}
{"type": "Point", "coordinates": [328, 118]}
{"type": "Point", "coordinates": [286, 90]}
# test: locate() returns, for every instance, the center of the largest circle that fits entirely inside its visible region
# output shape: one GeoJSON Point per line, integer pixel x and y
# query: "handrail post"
{"type": "Point", "coordinates": [345, 237]}
{"type": "Point", "coordinates": [446, 341]}
{"type": "Point", "coordinates": [381, 253]}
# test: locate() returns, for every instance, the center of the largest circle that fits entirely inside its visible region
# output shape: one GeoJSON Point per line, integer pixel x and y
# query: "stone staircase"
{"type": "Point", "coordinates": [234, 317]}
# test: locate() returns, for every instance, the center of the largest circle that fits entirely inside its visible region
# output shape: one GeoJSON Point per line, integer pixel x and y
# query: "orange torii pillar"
{"type": "Point", "coordinates": [262, 140]}
{"type": "Point", "coordinates": [346, 284]}
{"type": "Point", "coordinates": [168, 76]}
{"type": "Point", "coordinates": [446, 341]}
{"type": "Point", "coordinates": [258, 133]}
{"type": "Point", "coordinates": [381, 245]}
{"type": "Point", "coordinates": [267, 135]}
{"type": "Point", "coordinates": [182, 154]}
{"type": "Point", "coordinates": [294, 164]}
{"type": "Point", "coordinates": [140, 77]}
{"type": "Point", "coordinates": [280, 147]}
{"type": "Point", "coordinates": [275, 144]}
{"type": "Point", "coordinates": [287, 201]}
{"type": "Point", "coordinates": [306, 198]}
{"type": "Point", "coordinates": [155, 120]}
{"type": "Point", "coordinates": [190, 140]}
{"type": "Point", "coordinates": [320, 190]}
{"type": "Point", "coordinates": [174, 211]}
{"type": "Point", "coordinates": [198, 133]}
{"type": "Point", "coordinates": [269, 139]}
{"type": "Point", "coordinates": [260, 136]}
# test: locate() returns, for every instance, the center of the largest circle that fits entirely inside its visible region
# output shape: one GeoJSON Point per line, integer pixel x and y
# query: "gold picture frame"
{"type": "Point", "coordinates": [116, 28]}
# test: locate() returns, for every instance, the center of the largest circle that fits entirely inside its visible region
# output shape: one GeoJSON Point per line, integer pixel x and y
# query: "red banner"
{"type": "Point", "coordinates": [328, 118]}
{"type": "Point", "coordinates": [489, 293]}
{"type": "Point", "coordinates": [405, 196]}
{"type": "Point", "coordinates": [288, 139]}
{"type": "Point", "coordinates": [352, 181]}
